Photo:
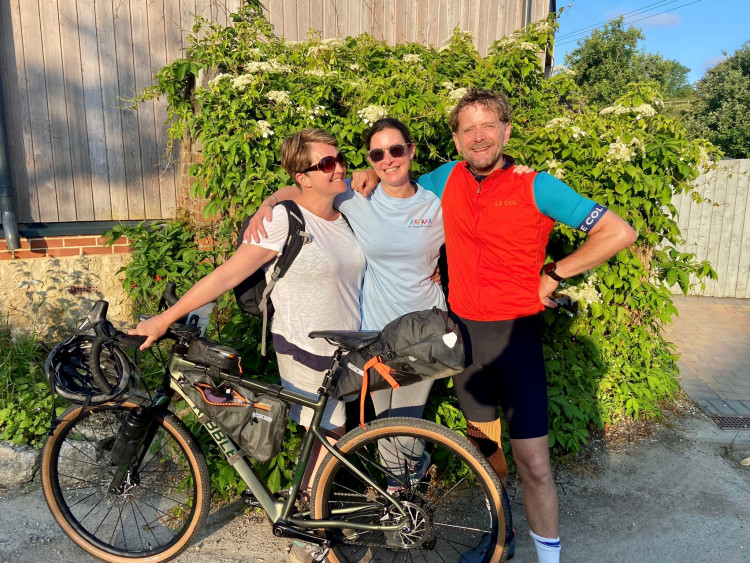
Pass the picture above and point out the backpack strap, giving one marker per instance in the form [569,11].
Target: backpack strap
[295,240]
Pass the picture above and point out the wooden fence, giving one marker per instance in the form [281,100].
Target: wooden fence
[80,152]
[719,230]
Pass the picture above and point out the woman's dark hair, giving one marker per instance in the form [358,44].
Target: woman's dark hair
[387,123]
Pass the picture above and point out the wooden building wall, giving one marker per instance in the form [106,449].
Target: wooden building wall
[80,152]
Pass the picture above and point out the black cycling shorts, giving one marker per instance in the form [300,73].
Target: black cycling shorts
[505,370]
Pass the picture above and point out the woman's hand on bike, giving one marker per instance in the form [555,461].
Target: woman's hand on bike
[153,329]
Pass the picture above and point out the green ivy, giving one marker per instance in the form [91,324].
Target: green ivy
[25,400]
[240,90]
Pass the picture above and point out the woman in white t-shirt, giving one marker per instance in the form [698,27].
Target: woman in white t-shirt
[320,290]
[400,229]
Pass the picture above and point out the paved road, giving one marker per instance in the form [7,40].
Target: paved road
[712,336]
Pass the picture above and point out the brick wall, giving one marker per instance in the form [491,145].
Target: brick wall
[58,247]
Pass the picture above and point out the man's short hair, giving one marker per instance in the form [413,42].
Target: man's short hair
[295,150]
[491,100]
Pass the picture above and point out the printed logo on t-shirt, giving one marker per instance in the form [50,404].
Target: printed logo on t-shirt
[420,222]
[592,218]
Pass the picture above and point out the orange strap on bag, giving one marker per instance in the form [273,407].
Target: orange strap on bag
[377,363]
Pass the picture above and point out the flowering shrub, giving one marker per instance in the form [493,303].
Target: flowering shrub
[241,90]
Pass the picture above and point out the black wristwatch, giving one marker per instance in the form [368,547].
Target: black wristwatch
[549,269]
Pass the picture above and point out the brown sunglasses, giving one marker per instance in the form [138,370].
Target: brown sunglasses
[396,151]
[327,164]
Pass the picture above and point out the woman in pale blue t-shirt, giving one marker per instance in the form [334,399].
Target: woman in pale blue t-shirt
[400,230]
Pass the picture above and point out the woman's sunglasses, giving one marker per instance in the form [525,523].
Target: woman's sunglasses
[327,164]
[396,151]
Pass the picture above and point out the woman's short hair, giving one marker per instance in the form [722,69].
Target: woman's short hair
[387,123]
[295,149]
[491,100]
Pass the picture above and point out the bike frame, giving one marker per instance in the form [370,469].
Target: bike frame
[279,511]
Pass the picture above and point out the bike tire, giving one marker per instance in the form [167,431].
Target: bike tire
[161,507]
[458,504]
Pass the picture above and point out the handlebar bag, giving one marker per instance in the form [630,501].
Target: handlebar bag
[412,348]
[256,422]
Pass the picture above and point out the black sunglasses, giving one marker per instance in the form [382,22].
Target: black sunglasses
[327,164]
[396,151]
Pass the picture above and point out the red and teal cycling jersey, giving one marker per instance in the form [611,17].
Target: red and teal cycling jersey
[496,234]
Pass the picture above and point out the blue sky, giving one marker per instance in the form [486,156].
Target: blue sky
[692,32]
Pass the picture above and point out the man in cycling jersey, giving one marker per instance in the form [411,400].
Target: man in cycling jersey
[497,225]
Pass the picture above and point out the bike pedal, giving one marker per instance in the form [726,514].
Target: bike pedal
[250,499]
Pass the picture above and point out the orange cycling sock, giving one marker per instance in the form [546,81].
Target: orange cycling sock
[487,437]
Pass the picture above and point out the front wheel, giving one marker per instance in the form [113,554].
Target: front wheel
[160,506]
[456,506]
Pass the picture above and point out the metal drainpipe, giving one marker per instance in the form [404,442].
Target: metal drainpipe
[7,211]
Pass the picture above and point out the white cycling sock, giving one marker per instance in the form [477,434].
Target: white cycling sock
[547,549]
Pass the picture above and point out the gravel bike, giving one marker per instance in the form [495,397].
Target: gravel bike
[127,480]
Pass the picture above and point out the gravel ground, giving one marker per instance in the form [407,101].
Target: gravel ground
[646,493]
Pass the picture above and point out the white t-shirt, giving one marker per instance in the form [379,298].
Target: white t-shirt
[401,238]
[321,290]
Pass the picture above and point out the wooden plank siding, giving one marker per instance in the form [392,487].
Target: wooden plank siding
[70,69]
[720,231]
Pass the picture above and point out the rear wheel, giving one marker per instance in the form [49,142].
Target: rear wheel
[161,505]
[457,508]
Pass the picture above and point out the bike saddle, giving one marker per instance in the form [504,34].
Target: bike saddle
[349,339]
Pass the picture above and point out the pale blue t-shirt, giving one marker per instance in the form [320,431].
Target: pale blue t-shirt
[401,239]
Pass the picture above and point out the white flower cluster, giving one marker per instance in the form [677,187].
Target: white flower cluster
[242,81]
[558,70]
[412,58]
[264,128]
[372,113]
[623,152]
[558,122]
[280,97]
[320,73]
[527,46]
[454,96]
[543,27]
[356,67]
[334,42]
[578,133]
[457,94]
[507,41]
[311,112]
[447,85]
[704,161]
[585,293]
[254,52]
[219,77]
[256,67]
[555,168]
[643,110]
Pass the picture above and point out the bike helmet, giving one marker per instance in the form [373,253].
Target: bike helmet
[69,373]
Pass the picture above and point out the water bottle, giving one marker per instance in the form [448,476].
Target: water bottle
[199,317]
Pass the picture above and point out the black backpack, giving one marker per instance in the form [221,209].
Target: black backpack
[252,294]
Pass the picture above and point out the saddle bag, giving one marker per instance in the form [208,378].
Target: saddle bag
[256,422]
[412,348]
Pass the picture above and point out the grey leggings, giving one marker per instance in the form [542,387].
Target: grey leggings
[403,401]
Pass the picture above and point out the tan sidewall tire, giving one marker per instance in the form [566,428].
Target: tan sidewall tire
[173,551]
[429,431]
